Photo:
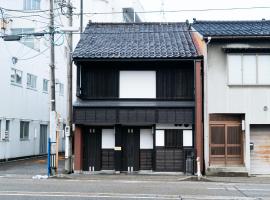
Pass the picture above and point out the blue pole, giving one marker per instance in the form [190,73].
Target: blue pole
[49,157]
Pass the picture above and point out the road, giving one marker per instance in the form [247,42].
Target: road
[109,189]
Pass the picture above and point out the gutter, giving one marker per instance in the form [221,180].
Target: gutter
[136,59]
[235,37]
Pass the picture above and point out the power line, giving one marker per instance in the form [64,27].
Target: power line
[183,10]
[27,11]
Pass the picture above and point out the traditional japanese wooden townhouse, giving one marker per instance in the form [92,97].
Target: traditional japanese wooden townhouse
[236,95]
[139,98]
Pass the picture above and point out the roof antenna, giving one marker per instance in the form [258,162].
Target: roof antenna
[188,24]
[162,11]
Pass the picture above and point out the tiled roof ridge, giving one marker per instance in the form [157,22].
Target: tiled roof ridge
[229,21]
[135,23]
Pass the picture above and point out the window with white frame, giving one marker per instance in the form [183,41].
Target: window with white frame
[248,69]
[16,76]
[61,88]
[31,4]
[26,39]
[24,130]
[45,85]
[31,81]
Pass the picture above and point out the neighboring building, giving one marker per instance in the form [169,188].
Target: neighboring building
[139,104]
[236,95]
[24,81]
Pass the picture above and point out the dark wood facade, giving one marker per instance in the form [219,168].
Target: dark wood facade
[99,81]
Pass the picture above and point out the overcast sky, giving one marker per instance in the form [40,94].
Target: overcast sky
[254,14]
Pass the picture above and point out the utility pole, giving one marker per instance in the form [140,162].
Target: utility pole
[53,107]
[68,141]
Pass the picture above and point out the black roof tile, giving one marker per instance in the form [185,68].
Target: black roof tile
[232,28]
[135,40]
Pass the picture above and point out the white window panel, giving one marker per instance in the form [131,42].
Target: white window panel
[234,69]
[187,138]
[264,69]
[160,138]
[249,69]
[137,84]
[108,139]
[31,81]
[45,85]
[16,76]
[146,139]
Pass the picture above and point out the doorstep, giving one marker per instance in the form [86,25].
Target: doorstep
[227,171]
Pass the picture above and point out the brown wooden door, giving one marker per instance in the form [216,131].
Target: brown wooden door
[226,144]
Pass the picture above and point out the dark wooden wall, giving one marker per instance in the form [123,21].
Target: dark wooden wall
[100,80]
[103,116]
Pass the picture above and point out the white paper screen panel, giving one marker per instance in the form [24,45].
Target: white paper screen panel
[137,84]
[234,69]
[187,138]
[160,138]
[264,69]
[249,69]
[146,139]
[108,139]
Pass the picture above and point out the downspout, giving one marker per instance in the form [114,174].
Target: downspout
[206,115]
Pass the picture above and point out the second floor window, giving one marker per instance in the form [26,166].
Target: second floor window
[31,4]
[31,81]
[137,84]
[248,69]
[16,76]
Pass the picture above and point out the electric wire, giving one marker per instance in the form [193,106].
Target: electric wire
[182,10]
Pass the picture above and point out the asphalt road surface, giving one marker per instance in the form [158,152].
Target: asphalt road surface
[60,189]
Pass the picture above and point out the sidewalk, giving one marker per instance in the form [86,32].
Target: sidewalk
[252,179]
[28,168]
[167,178]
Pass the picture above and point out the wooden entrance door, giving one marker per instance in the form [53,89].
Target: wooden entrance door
[92,149]
[226,144]
[131,148]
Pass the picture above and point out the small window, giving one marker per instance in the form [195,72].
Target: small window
[7,130]
[45,85]
[173,138]
[31,4]
[24,130]
[61,88]
[31,81]
[16,76]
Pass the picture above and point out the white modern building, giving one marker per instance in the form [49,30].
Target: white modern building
[25,72]
[25,80]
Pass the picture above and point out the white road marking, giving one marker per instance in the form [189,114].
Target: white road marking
[235,189]
[119,195]
[90,195]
